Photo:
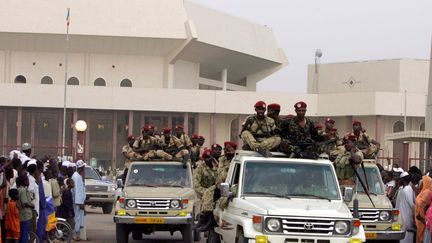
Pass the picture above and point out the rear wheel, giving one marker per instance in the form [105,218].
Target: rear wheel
[187,233]
[107,208]
[122,234]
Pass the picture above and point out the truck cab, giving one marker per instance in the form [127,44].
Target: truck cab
[282,199]
[380,220]
[156,196]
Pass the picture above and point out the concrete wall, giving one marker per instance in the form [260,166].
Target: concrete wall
[414,75]
[186,75]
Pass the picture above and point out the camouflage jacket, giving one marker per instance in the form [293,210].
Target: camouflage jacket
[223,167]
[260,129]
[182,142]
[344,170]
[146,144]
[291,130]
[204,177]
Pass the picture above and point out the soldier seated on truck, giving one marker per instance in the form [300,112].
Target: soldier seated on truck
[347,162]
[366,144]
[180,143]
[128,151]
[259,132]
[146,145]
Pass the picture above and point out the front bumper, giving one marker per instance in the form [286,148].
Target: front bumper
[167,220]
[100,198]
[286,238]
[385,235]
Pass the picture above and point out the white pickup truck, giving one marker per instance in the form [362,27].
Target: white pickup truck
[285,200]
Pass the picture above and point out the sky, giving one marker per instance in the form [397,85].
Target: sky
[345,30]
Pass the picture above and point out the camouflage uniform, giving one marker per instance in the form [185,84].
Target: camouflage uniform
[344,170]
[223,167]
[182,144]
[204,185]
[333,145]
[260,134]
[292,134]
[364,143]
[130,154]
[149,152]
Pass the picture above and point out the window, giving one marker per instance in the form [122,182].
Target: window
[73,81]
[46,80]
[398,127]
[20,79]
[99,82]
[126,83]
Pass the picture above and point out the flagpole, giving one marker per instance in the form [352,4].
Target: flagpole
[65,85]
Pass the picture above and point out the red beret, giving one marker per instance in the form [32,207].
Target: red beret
[166,130]
[215,145]
[130,137]
[289,116]
[274,106]
[329,120]
[351,136]
[300,104]
[334,129]
[206,153]
[179,126]
[355,122]
[201,137]
[232,144]
[261,104]
[318,126]
[146,128]
[194,136]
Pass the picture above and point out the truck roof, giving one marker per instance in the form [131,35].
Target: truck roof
[276,157]
[163,162]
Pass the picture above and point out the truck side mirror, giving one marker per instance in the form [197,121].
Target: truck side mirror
[225,190]
[119,183]
[348,194]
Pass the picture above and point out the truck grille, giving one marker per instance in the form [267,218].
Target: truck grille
[368,215]
[153,203]
[308,226]
[96,188]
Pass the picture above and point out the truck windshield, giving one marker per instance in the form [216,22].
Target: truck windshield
[91,173]
[158,175]
[290,180]
[373,180]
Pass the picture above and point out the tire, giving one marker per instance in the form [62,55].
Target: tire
[107,208]
[241,238]
[61,233]
[213,237]
[187,233]
[122,234]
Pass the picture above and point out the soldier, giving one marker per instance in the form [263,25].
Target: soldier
[128,152]
[182,142]
[204,184]
[146,145]
[201,141]
[195,150]
[347,161]
[273,111]
[329,125]
[366,144]
[216,151]
[258,132]
[299,134]
[225,160]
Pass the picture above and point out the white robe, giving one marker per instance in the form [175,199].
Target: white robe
[405,202]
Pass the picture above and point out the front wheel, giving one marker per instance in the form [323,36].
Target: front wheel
[122,235]
[241,238]
[107,208]
[187,233]
[61,233]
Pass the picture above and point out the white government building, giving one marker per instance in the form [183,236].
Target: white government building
[168,62]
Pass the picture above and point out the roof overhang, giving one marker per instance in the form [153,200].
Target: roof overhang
[409,136]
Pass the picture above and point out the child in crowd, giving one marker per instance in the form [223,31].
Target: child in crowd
[12,218]
[66,210]
[25,207]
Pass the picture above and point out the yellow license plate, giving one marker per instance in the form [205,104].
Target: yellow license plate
[142,220]
[371,235]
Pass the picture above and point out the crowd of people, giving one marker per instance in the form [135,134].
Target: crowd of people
[34,192]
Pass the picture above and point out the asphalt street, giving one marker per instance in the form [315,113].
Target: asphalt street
[101,228]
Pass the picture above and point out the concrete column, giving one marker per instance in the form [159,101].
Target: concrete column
[224,79]
[170,76]
[19,126]
[186,123]
[114,142]
[348,124]
[405,156]
[87,137]
[212,128]
[142,120]
[5,133]
[32,128]
[130,123]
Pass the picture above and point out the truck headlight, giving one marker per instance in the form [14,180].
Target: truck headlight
[341,227]
[273,224]
[175,204]
[131,203]
[384,216]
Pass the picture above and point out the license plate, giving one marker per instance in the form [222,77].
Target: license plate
[371,235]
[142,220]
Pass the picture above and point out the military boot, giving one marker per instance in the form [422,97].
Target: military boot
[264,152]
[202,219]
[209,224]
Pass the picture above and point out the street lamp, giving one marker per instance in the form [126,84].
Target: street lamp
[318,55]
[81,127]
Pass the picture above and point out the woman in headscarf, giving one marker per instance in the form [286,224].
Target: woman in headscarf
[422,204]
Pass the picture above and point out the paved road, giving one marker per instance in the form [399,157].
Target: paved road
[101,228]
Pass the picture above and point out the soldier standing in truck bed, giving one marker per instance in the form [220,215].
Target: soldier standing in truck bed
[259,132]
[364,142]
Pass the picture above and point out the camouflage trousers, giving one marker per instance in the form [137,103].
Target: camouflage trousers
[208,199]
[266,143]
[157,154]
[181,153]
